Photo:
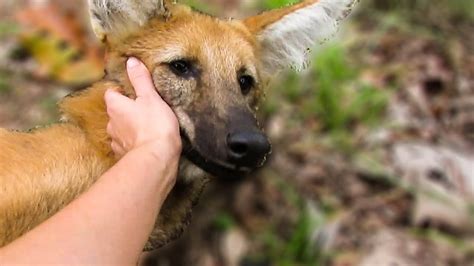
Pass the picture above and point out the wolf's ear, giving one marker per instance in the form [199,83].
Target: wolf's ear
[287,34]
[116,18]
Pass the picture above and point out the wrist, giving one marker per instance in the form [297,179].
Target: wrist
[160,150]
[161,163]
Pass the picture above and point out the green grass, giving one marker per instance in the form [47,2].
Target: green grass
[340,99]
[4,84]
[272,4]
[49,103]
[332,94]
[420,8]
[224,221]
[202,7]
[7,28]
[293,245]
[298,248]
[471,211]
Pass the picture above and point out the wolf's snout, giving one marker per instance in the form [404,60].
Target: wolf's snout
[247,148]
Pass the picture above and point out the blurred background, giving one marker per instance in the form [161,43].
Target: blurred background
[373,144]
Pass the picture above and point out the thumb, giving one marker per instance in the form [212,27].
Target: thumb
[140,78]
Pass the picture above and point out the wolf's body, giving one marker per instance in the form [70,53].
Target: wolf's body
[226,62]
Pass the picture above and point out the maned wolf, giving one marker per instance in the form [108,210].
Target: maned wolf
[210,71]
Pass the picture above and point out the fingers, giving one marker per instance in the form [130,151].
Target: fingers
[140,78]
[115,101]
[116,106]
[117,148]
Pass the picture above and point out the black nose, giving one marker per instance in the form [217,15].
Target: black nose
[247,148]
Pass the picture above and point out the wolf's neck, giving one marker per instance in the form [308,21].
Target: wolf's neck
[87,110]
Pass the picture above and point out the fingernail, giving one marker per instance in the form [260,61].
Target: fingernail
[132,62]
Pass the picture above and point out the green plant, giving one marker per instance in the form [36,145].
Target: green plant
[331,93]
[48,105]
[203,7]
[224,221]
[300,249]
[296,246]
[331,74]
[7,28]
[293,89]
[339,100]
[271,4]
[4,83]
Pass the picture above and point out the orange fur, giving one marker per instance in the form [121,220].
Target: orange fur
[43,170]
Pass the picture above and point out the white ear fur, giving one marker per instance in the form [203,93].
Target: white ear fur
[287,41]
[117,16]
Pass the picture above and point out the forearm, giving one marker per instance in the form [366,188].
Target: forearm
[106,225]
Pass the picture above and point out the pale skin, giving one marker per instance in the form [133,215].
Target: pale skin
[111,222]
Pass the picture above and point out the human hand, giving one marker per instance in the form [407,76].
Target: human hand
[144,123]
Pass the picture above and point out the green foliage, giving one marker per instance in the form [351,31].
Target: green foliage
[224,221]
[298,249]
[461,8]
[339,99]
[7,29]
[4,83]
[50,52]
[201,6]
[297,246]
[471,211]
[331,74]
[368,105]
[293,87]
[272,4]
[332,95]
[49,105]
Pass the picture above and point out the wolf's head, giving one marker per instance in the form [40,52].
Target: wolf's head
[212,71]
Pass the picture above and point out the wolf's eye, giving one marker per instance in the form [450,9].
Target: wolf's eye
[180,67]
[246,83]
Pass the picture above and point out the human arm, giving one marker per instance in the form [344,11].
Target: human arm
[110,223]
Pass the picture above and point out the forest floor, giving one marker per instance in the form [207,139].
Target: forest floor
[373,144]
